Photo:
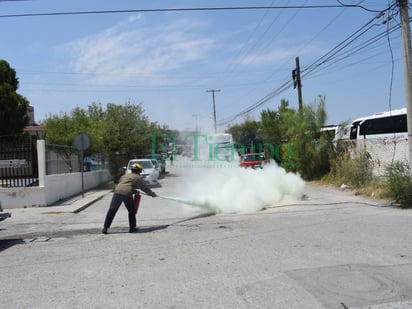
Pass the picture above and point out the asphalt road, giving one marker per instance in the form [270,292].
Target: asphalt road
[331,249]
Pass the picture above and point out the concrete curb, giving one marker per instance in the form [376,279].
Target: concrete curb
[77,203]
[87,201]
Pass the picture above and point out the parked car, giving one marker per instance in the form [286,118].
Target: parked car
[149,173]
[253,160]
[160,158]
[156,164]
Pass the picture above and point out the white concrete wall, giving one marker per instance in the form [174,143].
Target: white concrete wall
[59,187]
[52,188]
[56,187]
[22,197]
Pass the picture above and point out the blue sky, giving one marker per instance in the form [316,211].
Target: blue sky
[168,60]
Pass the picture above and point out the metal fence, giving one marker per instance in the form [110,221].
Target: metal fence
[18,161]
[62,159]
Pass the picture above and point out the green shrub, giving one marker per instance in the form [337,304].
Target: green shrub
[399,183]
[356,172]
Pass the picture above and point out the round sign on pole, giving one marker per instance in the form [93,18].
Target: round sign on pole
[82,142]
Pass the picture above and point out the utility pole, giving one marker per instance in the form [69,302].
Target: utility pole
[214,105]
[196,122]
[297,82]
[406,38]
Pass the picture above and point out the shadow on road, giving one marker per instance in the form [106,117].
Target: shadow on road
[150,229]
[7,243]
[194,218]
[45,236]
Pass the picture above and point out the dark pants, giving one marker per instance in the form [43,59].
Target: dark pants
[117,200]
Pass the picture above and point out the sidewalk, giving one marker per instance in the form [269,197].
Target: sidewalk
[31,222]
[77,203]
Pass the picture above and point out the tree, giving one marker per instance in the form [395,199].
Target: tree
[97,127]
[273,127]
[273,131]
[127,129]
[13,106]
[270,127]
[247,136]
[291,137]
[60,133]
[127,135]
[309,148]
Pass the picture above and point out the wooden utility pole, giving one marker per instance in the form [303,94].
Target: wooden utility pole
[297,82]
[406,38]
[214,105]
[196,121]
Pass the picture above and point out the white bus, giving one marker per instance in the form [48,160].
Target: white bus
[384,136]
[381,125]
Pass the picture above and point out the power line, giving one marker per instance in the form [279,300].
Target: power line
[358,33]
[302,48]
[159,10]
[261,36]
[248,39]
[335,57]
[363,46]
[314,66]
[283,87]
[388,32]
[272,94]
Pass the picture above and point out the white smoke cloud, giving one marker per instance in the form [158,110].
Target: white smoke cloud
[224,187]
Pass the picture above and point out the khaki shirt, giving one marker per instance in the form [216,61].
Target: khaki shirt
[129,183]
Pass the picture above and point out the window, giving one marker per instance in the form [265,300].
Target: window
[384,125]
[354,130]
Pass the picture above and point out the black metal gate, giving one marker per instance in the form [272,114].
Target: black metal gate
[18,162]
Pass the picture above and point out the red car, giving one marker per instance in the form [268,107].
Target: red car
[253,160]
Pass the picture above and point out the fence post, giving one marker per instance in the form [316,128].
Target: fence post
[41,161]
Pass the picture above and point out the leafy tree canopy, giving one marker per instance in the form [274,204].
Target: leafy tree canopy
[294,134]
[8,75]
[13,106]
[246,136]
[117,132]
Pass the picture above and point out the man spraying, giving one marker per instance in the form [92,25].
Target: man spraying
[123,193]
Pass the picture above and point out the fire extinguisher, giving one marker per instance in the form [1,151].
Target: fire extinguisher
[136,202]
